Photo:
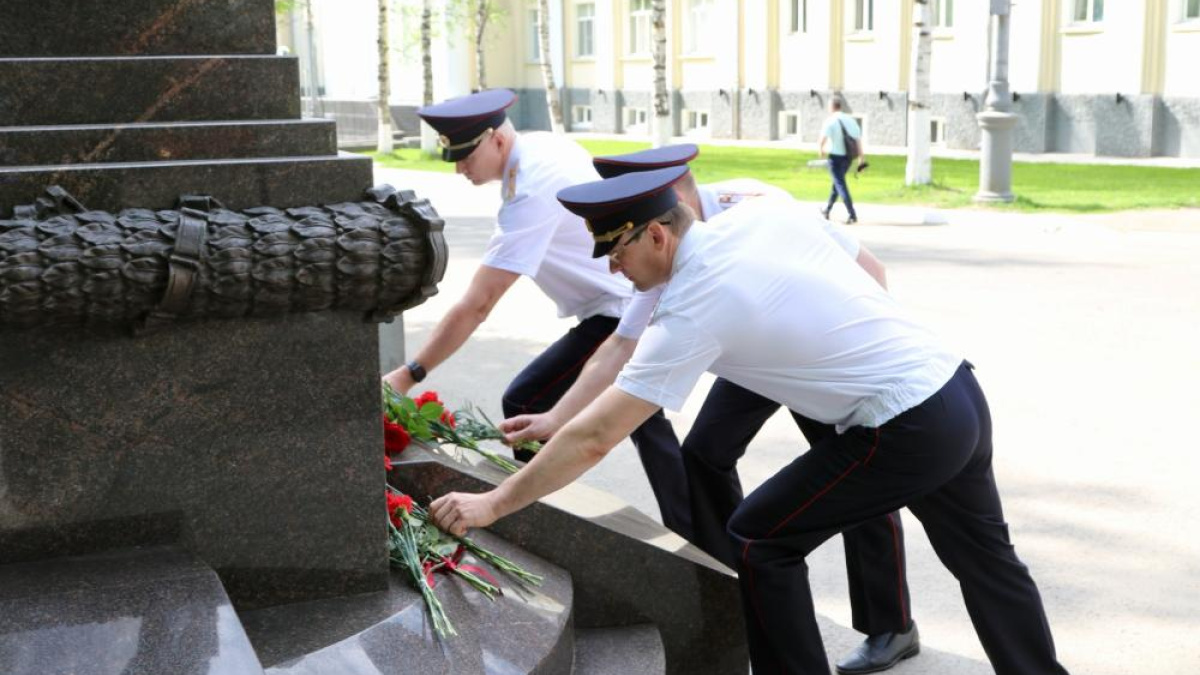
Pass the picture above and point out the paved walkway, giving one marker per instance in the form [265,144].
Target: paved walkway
[1085,332]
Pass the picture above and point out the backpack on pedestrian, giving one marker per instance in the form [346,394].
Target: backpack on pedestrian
[853,149]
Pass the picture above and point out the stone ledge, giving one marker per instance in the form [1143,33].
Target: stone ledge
[238,184]
[151,142]
[117,90]
[74,28]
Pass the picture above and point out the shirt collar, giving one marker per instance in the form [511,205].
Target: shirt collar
[687,248]
[508,187]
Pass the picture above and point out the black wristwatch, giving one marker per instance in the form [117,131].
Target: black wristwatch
[416,370]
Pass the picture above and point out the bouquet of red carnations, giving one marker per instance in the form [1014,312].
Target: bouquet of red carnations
[418,546]
[426,418]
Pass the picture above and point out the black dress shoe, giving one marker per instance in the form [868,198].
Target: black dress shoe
[880,652]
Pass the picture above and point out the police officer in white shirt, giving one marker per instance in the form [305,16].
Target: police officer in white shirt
[781,311]
[536,237]
[730,418]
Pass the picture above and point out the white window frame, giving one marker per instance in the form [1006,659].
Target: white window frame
[786,116]
[937,132]
[864,16]
[635,119]
[638,29]
[1088,8]
[943,14]
[799,17]
[1189,10]
[697,34]
[581,117]
[534,50]
[585,25]
[695,122]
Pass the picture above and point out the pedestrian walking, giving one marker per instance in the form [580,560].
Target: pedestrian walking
[842,136]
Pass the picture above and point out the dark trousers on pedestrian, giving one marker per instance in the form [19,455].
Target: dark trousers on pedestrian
[544,381]
[729,419]
[839,166]
[935,458]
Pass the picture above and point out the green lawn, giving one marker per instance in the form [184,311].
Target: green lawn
[1039,187]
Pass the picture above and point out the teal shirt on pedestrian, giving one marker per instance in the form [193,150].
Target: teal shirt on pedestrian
[833,131]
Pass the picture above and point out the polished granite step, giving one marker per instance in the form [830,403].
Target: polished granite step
[142,611]
[74,28]
[165,141]
[528,630]
[115,90]
[282,182]
[629,650]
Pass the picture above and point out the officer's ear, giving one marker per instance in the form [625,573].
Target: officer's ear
[657,231]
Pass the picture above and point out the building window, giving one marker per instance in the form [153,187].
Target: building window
[799,16]
[581,116]
[789,124]
[937,131]
[635,119]
[864,16]
[585,17]
[1087,11]
[639,26]
[694,122]
[535,41]
[698,37]
[1191,10]
[943,13]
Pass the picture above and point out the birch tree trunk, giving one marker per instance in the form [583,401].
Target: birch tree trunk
[556,120]
[662,105]
[428,137]
[482,13]
[318,108]
[919,168]
[385,81]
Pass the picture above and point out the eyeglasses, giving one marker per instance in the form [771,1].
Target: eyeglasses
[615,253]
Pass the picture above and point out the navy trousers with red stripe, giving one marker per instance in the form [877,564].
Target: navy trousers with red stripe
[544,381]
[729,419]
[936,459]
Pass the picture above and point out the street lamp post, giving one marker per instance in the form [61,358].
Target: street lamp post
[997,120]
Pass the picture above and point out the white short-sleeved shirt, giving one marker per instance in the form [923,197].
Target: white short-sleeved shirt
[715,200]
[539,238]
[785,313]
[832,129]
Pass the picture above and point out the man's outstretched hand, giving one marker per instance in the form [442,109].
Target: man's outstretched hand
[458,512]
[537,427]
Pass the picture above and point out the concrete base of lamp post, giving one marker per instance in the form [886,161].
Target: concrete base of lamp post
[995,159]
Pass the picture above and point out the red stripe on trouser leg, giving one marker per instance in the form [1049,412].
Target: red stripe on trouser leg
[899,569]
[746,550]
[873,448]
[578,365]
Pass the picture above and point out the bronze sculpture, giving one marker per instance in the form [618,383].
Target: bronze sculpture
[63,265]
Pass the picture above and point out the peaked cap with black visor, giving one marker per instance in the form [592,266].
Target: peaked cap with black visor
[611,166]
[463,123]
[614,206]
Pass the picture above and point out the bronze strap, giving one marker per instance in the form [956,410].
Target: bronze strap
[184,266]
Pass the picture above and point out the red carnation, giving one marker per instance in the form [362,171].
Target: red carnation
[395,437]
[396,502]
[427,397]
[447,418]
[387,462]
